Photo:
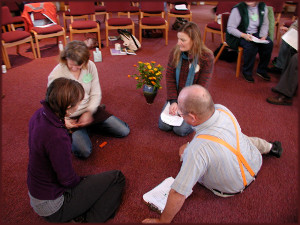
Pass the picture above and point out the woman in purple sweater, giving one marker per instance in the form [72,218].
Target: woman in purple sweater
[56,192]
[190,62]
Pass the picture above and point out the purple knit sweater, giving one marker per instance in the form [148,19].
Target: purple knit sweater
[50,170]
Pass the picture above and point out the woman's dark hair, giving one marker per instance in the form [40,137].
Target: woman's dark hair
[62,93]
[76,51]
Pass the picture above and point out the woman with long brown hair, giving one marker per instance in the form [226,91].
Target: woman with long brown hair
[190,62]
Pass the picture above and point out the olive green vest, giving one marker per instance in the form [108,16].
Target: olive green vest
[233,41]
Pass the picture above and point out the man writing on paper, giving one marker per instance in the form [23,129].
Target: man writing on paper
[220,156]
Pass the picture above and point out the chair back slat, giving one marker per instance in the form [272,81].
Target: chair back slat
[155,6]
[81,8]
[224,6]
[117,6]
[6,16]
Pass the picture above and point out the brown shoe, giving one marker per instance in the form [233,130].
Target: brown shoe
[280,100]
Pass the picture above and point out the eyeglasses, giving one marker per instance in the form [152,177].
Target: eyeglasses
[181,114]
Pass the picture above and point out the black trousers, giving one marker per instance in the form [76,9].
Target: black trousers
[288,82]
[96,199]
[250,50]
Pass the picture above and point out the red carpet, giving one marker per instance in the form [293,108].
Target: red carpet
[147,156]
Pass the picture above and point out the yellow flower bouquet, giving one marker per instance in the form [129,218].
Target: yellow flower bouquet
[149,74]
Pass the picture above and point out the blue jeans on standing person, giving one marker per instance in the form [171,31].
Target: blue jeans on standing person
[250,50]
[182,130]
[81,142]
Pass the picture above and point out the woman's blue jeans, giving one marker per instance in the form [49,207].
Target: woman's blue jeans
[81,142]
[182,130]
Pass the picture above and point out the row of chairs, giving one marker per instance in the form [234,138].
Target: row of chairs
[151,16]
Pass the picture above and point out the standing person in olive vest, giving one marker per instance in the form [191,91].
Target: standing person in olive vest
[248,21]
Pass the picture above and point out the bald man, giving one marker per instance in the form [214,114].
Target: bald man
[220,156]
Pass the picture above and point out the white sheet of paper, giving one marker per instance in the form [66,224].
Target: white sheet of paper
[291,37]
[169,119]
[255,39]
[158,196]
[181,7]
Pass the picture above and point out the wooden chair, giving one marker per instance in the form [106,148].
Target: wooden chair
[215,27]
[13,37]
[17,19]
[173,12]
[78,10]
[153,17]
[41,32]
[117,22]
[224,20]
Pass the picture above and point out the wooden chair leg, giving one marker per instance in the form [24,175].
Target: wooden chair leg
[37,46]
[239,61]
[65,39]
[166,32]
[71,35]
[204,36]
[140,35]
[212,37]
[278,36]
[18,49]
[219,53]
[5,58]
[99,39]
[106,34]
[33,48]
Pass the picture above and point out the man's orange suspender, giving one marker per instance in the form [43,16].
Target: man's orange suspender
[236,151]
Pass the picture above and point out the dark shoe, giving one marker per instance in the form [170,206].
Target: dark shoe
[274,90]
[274,69]
[103,106]
[248,78]
[280,100]
[276,149]
[264,76]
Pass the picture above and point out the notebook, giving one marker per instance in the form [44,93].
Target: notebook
[156,198]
